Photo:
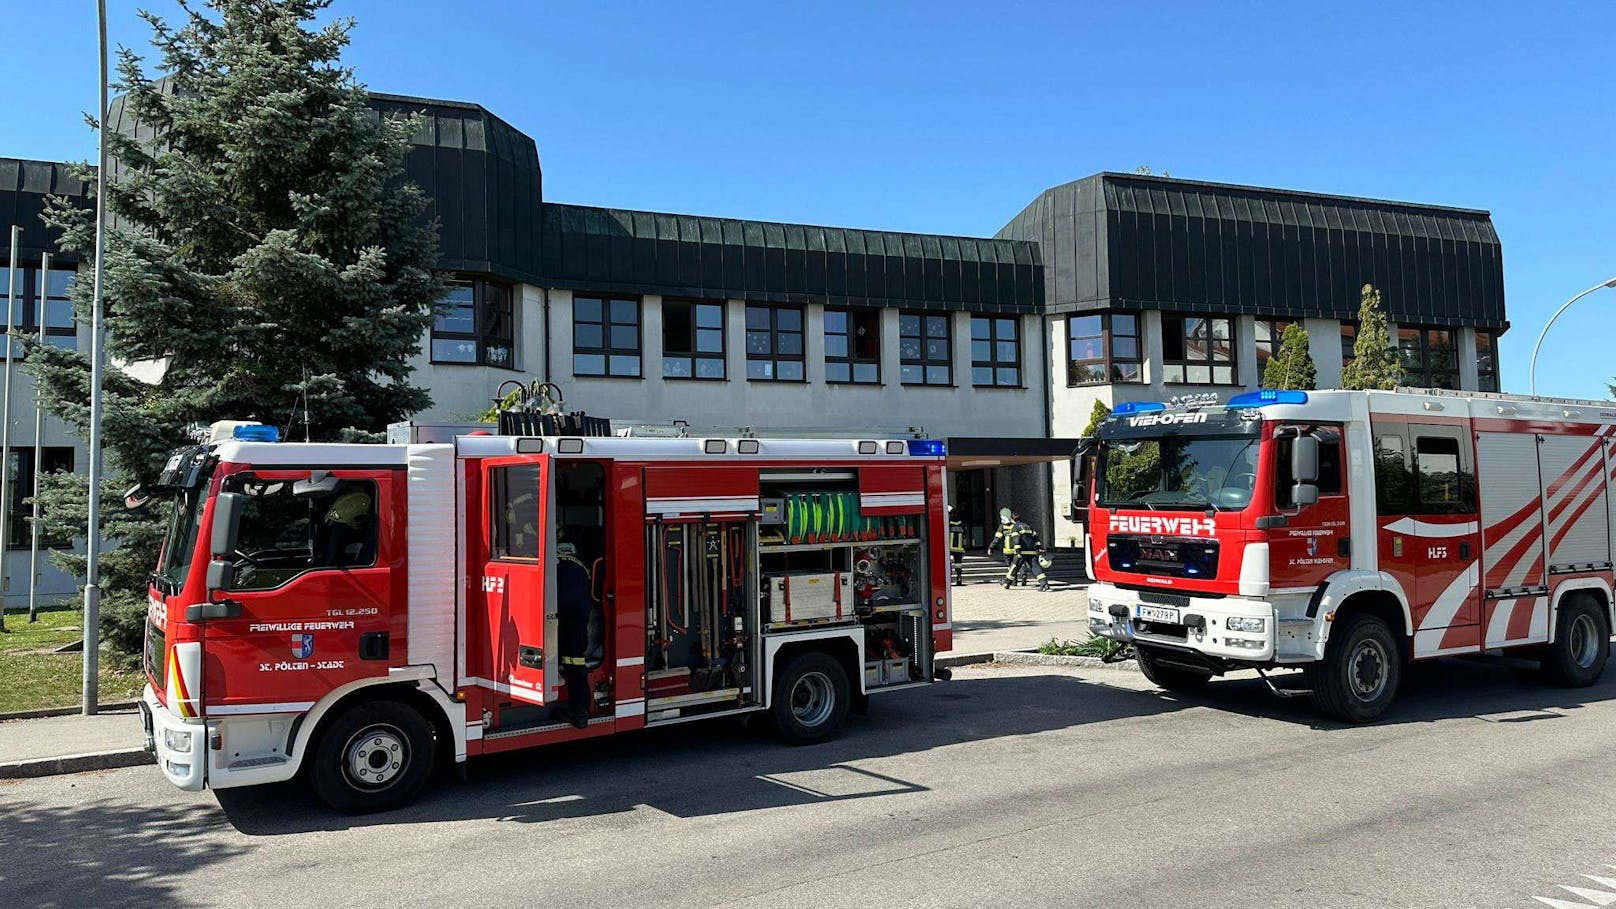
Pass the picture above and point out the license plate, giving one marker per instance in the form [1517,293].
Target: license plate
[1157,614]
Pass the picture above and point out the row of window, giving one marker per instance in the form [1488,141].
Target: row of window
[607,341]
[21,470]
[1103,348]
[31,300]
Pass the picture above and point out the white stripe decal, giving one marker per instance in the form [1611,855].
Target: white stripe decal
[1498,625]
[632,661]
[699,504]
[1428,639]
[474,732]
[1414,527]
[630,710]
[242,709]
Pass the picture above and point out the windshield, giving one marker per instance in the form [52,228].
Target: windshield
[1179,471]
[179,544]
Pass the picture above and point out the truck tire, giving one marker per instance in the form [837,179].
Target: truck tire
[1581,644]
[1171,678]
[374,756]
[1362,669]
[811,698]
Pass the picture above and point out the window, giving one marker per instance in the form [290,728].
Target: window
[1486,361]
[605,337]
[1103,348]
[290,527]
[515,513]
[774,343]
[1329,481]
[475,325]
[853,346]
[1392,477]
[924,355]
[1270,333]
[60,329]
[1428,357]
[20,475]
[1349,342]
[1443,486]
[1197,350]
[692,340]
[1434,478]
[995,352]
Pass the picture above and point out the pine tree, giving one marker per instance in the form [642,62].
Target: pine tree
[1291,367]
[1374,364]
[1096,417]
[266,246]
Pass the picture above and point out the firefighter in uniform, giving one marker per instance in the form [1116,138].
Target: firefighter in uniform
[956,546]
[1014,534]
[575,609]
[1034,558]
[1005,536]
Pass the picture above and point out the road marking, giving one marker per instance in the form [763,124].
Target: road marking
[1593,898]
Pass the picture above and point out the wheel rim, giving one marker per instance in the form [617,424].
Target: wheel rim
[1584,641]
[813,698]
[1367,670]
[375,757]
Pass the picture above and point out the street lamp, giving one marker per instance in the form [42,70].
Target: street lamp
[89,686]
[1538,346]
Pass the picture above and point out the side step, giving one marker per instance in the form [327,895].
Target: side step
[1283,692]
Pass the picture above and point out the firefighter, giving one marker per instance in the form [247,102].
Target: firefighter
[1005,536]
[575,609]
[956,546]
[1035,558]
[1015,549]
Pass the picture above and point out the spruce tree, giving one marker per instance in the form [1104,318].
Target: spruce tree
[1096,417]
[265,246]
[1291,367]
[1374,364]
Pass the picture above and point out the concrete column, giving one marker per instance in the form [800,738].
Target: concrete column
[1245,352]
[891,354]
[1465,342]
[1324,345]
[651,336]
[813,344]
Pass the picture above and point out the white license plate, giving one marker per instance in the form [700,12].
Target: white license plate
[1156,614]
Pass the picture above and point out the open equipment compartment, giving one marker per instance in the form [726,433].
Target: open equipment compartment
[824,561]
[702,645]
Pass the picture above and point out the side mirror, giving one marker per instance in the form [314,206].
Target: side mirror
[136,498]
[1305,460]
[1082,473]
[227,509]
[1304,494]
[221,574]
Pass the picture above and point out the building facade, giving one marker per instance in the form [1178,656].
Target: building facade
[1111,288]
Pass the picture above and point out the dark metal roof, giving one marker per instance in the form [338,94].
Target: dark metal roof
[23,188]
[617,251]
[1139,242]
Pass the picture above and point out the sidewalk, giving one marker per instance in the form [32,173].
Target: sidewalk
[987,618]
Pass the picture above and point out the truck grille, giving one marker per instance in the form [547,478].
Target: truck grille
[156,660]
[1171,557]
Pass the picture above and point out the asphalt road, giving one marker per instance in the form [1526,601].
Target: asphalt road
[1022,786]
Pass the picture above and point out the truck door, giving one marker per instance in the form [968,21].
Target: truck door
[1314,542]
[1430,530]
[521,611]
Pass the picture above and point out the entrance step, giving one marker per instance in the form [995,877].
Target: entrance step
[1067,571]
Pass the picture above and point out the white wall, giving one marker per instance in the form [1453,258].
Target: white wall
[462,391]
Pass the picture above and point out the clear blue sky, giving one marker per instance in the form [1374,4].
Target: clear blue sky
[949,117]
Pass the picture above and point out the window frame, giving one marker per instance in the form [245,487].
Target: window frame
[1489,376]
[19,536]
[607,351]
[774,333]
[924,362]
[1109,362]
[1209,362]
[993,364]
[234,482]
[31,309]
[499,487]
[1410,500]
[1331,452]
[1348,333]
[1426,372]
[485,335]
[1276,338]
[852,362]
[693,355]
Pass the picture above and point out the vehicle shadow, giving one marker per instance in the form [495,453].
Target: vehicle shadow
[103,853]
[1489,689]
[718,767]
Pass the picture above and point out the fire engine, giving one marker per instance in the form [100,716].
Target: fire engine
[1347,533]
[360,613]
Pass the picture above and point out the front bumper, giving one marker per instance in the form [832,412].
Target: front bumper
[180,745]
[1202,624]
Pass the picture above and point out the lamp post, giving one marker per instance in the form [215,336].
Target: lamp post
[1539,345]
[90,691]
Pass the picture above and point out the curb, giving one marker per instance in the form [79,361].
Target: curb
[1042,659]
[74,763]
[962,659]
[42,713]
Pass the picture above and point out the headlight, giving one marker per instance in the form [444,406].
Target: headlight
[1240,623]
[177,739]
[1240,644]
[1096,607]
[179,769]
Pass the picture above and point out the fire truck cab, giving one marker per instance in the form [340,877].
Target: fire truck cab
[1346,533]
[363,612]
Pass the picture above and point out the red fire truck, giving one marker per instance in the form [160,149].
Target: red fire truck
[360,613]
[1347,532]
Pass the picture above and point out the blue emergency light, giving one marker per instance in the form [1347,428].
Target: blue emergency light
[1261,398]
[256,433]
[1130,408]
[928,448]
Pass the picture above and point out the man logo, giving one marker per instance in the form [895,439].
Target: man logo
[302,646]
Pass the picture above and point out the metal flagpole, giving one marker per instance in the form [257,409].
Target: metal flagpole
[39,432]
[90,695]
[5,418]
